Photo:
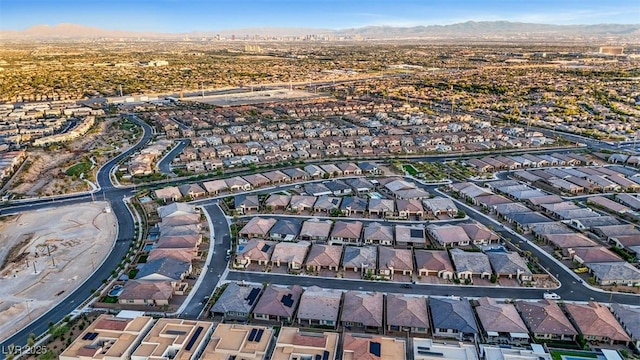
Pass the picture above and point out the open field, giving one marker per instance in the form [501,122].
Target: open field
[77,238]
[254,97]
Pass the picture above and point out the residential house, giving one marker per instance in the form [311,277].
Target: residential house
[193,191]
[176,210]
[479,234]
[410,236]
[448,235]
[293,342]
[402,189]
[171,193]
[410,209]
[331,170]
[614,273]
[237,183]
[470,264]
[407,314]
[630,200]
[296,174]
[245,204]
[277,202]
[453,318]
[596,323]
[378,234]
[323,257]
[338,187]
[501,322]
[565,243]
[353,206]
[115,338]
[546,321]
[510,265]
[314,171]
[255,251]
[593,254]
[344,232]
[236,302]
[370,168]
[316,230]
[291,254]
[327,204]
[362,311]
[150,293]
[360,347]
[257,227]
[278,303]
[319,307]
[394,261]
[169,269]
[381,208]
[439,206]
[215,187]
[360,259]
[628,316]
[360,185]
[285,230]
[277,177]
[299,203]
[238,341]
[349,169]
[434,263]
[257,180]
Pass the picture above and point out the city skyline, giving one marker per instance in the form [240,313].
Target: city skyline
[173,16]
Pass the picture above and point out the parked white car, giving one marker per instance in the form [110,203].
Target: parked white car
[551,296]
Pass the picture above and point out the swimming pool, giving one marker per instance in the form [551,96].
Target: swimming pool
[375,195]
[117,290]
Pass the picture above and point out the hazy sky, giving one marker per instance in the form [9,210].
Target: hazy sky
[189,15]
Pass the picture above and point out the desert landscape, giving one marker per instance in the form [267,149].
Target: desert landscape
[42,262]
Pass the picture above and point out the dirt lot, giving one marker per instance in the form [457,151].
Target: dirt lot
[78,238]
[44,171]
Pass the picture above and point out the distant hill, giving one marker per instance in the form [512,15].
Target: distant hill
[459,30]
[493,28]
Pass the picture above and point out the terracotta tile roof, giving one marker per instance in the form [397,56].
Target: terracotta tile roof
[594,319]
[545,317]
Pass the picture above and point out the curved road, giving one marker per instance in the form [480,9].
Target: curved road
[164,165]
[126,230]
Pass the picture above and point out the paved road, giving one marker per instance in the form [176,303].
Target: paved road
[218,264]
[385,286]
[125,234]
[571,288]
[164,165]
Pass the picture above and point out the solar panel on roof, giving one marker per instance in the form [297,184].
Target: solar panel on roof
[193,339]
[93,336]
[374,348]
[252,296]
[318,357]
[265,248]
[259,335]
[416,233]
[287,300]
[86,336]
[252,334]
[325,355]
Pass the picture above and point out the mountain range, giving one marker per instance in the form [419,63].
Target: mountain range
[459,30]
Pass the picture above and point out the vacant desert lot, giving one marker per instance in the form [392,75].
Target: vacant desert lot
[77,237]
